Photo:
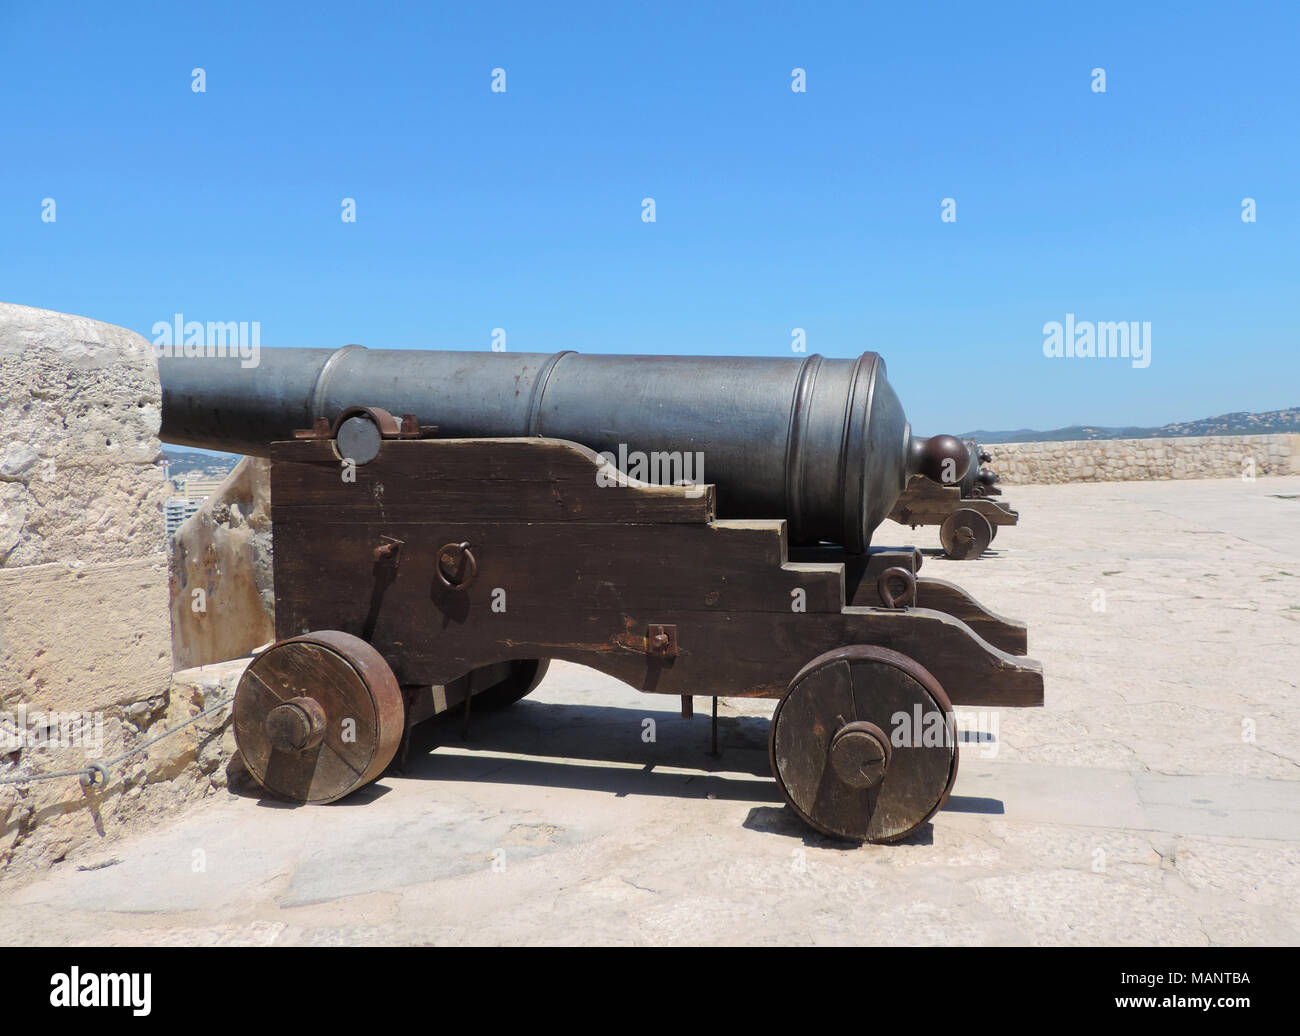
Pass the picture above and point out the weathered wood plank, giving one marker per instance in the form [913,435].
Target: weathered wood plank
[549,565]
[540,480]
[1007,634]
[741,654]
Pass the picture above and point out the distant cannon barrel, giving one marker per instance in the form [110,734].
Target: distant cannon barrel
[820,442]
[978,480]
[974,474]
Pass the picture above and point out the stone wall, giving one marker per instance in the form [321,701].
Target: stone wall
[222,598]
[1129,460]
[85,637]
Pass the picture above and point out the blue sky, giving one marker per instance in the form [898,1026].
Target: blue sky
[774,209]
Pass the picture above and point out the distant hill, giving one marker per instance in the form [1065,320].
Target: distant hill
[198,462]
[1240,423]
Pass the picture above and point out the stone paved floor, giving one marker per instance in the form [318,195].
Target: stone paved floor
[1156,798]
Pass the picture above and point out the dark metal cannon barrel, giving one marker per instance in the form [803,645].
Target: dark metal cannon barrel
[820,442]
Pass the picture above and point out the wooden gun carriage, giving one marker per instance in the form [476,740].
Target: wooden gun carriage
[451,561]
[967,517]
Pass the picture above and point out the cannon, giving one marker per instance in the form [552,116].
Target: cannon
[445,523]
[968,519]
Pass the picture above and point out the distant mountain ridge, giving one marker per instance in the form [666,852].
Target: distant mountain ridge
[185,461]
[1239,423]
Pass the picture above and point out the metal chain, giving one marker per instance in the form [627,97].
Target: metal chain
[98,772]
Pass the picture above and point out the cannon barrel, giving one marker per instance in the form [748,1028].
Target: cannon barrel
[971,477]
[820,442]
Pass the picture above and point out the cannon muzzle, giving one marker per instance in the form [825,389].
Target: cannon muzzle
[820,442]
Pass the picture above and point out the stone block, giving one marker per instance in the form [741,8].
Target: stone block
[79,454]
[222,600]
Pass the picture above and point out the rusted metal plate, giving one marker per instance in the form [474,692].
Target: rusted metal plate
[661,640]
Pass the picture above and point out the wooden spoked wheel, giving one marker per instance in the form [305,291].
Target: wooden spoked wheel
[863,744]
[965,534]
[318,716]
[993,532]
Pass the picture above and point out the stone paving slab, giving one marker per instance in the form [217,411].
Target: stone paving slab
[1155,799]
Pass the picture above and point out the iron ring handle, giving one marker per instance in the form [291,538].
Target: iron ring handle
[471,565]
[903,600]
[95,775]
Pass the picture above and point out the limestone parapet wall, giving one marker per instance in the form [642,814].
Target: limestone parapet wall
[1133,460]
[78,452]
[85,634]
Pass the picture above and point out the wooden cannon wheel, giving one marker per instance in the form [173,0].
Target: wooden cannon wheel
[863,744]
[318,716]
[965,534]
